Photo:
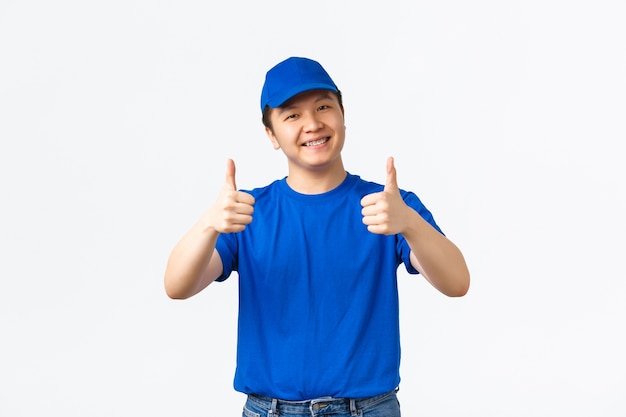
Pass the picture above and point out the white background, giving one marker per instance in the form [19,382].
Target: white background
[506,118]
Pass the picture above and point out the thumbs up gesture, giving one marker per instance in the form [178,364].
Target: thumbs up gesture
[232,211]
[385,212]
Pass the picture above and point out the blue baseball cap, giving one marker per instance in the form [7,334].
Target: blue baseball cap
[293,76]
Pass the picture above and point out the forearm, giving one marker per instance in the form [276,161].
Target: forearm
[192,265]
[437,258]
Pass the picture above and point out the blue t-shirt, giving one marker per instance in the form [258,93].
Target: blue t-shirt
[318,297]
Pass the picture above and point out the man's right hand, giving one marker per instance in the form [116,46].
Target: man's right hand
[232,211]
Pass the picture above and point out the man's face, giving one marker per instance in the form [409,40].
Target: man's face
[310,129]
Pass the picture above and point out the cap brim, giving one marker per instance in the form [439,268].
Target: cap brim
[278,100]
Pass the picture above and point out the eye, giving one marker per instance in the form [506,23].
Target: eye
[291,116]
[323,107]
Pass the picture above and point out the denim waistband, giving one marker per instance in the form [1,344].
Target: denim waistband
[306,406]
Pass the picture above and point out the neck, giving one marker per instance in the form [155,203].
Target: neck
[306,181]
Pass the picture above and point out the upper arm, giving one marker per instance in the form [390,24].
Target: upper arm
[213,270]
[415,263]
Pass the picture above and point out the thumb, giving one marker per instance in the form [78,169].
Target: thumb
[391,184]
[230,174]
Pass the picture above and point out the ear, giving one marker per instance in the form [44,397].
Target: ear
[272,138]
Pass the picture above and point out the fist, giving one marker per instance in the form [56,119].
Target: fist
[384,212]
[232,211]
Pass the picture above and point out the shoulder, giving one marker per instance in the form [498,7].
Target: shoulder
[266,190]
[365,187]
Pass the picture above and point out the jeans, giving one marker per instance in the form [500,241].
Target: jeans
[385,405]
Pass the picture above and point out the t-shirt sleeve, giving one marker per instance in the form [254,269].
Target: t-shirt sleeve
[226,246]
[413,201]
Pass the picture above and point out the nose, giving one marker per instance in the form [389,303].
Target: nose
[312,122]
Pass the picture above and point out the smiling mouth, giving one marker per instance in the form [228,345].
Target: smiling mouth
[317,142]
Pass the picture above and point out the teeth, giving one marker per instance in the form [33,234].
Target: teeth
[316,142]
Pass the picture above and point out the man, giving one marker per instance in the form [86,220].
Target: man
[317,254]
